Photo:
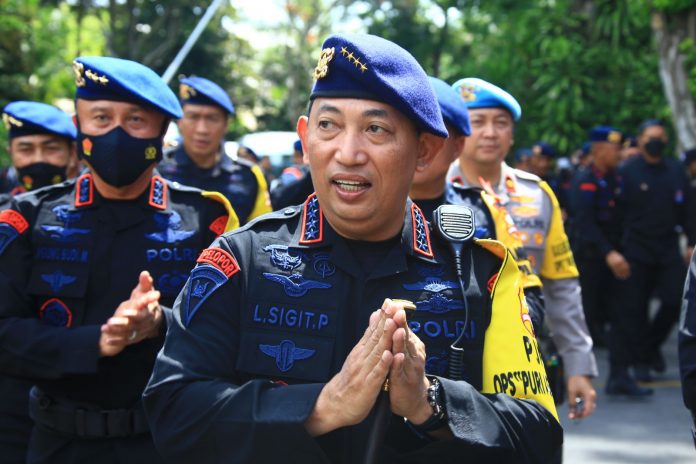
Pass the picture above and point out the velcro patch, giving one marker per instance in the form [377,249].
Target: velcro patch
[218,225]
[14,219]
[220,259]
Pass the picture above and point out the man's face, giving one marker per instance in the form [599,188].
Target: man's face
[435,173]
[650,133]
[540,165]
[41,148]
[362,155]
[202,129]
[491,136]
[97,117]
[606,153]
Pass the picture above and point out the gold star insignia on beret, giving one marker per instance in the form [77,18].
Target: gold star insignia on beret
[96,77]
[466,91]
[186,91]
[614,137]
[351,58]
[322,68]
[10,121]
[78,69]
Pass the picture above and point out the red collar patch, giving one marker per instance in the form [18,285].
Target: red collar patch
[84,190]
[312,222]
[220,259]
[421,233]
[158,193]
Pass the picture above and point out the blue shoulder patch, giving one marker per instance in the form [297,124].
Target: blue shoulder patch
[204,280]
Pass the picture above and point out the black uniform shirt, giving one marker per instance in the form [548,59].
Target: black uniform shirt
[68,258]
[270,315]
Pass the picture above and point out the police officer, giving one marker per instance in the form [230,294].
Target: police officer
[200,160]
[538,221]
[41,146]
[295,183]
[654,204]
[71,319]
[522,157]
[278,350]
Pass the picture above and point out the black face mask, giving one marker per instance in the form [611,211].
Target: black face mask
[117,157]
[39,175]
[655,147]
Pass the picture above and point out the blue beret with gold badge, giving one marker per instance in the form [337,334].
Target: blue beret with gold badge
[454,111]
[544,149]
[369,67]
[30,118]
[106,78]
[201,91]
[478,93]
[605,134]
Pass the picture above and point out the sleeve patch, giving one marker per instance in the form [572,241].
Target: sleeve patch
[14,219]
[219,224]
[588,187]
[220,259]
[204,281]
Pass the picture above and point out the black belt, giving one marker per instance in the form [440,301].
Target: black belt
[82,421]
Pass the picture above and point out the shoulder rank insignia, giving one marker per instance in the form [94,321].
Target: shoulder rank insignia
[286,353]
[295,286]
[312,221]
[84,190]
[12,225]
[421,234]
[158,193]
[55,312]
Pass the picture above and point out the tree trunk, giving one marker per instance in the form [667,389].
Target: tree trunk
[670,31]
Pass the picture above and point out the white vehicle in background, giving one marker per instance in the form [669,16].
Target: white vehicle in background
[276,145]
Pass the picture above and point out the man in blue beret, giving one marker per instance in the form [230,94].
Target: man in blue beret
[71,320]
[521,157]
[200,159]
[42,150]
[282,354]
[41,145]
[656,208]
[538,221]
[542,158]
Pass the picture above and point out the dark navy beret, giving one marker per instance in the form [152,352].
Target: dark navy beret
[201,91]
[605,134]
[544,149]
[29,118]
[478,93]
[370,67]
[454,110]
[106,78]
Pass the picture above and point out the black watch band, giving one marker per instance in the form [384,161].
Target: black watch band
[439,417]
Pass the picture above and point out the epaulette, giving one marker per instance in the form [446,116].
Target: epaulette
[282,214]
[524,175]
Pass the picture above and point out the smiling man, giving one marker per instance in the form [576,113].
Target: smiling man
[278,351]
[71,320]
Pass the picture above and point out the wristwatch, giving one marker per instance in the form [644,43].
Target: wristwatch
[439,416]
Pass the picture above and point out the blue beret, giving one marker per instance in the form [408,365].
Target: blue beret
[585,148]
[201,91]
[453,108]
[297,146]
[605,134]
[545,149]
[370,67]
[105,78]
[523,153]
[29,118]
[478,93]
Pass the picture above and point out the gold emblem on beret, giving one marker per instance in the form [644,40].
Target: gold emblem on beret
[614,137]
[467,92]
[353,59]
[322,68]
[92,76]
[186,91]
[10,121]
[78,69]
[536,149]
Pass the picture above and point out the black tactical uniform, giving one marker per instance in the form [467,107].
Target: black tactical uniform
[68,258]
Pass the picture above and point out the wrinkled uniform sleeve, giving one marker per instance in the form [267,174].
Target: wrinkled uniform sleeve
[28,347]
[199,409]
[687,339]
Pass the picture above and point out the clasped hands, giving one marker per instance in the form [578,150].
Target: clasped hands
[387,350]
[134,320]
